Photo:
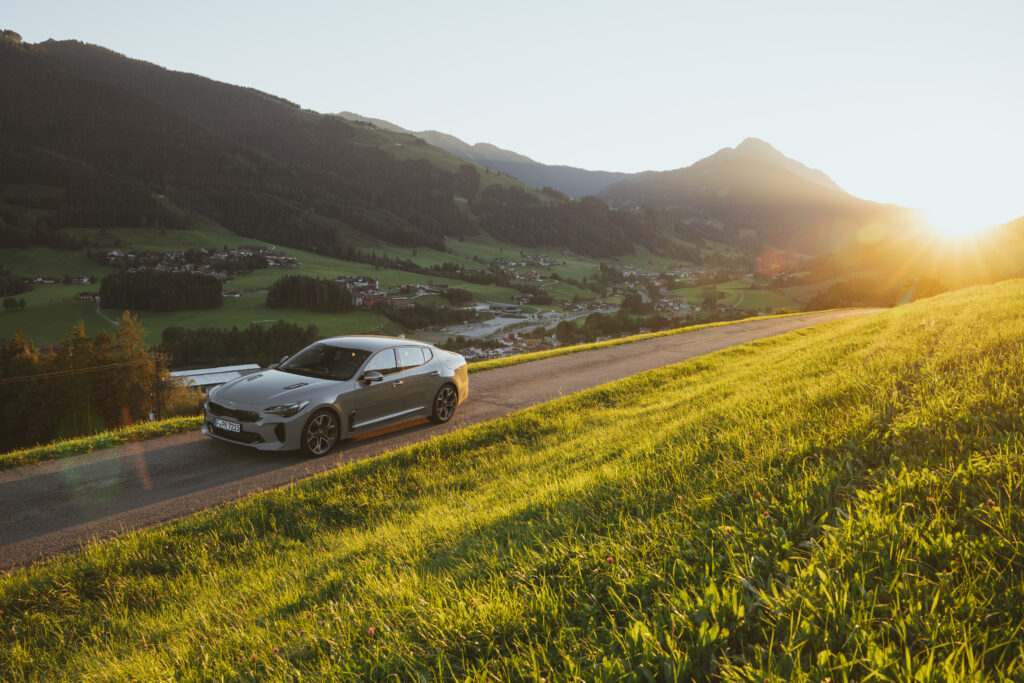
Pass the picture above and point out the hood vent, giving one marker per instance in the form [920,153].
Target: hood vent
[252,377]
[295,386]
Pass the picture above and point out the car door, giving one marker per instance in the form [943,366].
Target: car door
[379,402]
[417,375]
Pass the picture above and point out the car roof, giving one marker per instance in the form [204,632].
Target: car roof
[369,342]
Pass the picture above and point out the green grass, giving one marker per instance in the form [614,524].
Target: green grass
[577,348]
[317,265]
[805,292]
[43,261]
[250,308]
[143,430]
[736,294]
[842,502]
[66,448]
[50,313]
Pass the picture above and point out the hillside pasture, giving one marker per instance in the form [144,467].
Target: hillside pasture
[841,502]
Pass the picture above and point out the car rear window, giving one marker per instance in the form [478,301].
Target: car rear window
[411,356]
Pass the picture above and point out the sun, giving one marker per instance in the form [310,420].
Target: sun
[953,223]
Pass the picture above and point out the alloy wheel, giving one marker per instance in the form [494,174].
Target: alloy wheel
[444,404]
[321,433]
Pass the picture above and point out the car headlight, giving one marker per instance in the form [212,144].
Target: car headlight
[287,409]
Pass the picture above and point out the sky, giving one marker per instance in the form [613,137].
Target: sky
[918,103]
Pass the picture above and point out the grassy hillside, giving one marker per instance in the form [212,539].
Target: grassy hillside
[739,295]
[844,501]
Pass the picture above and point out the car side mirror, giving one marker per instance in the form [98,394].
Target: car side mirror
[283,359]
[371,376]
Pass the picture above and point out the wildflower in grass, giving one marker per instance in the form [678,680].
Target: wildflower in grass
[372,631]
[991,503]
[611,560]
[765,513]
[253,658]
[302,632]
[276,650]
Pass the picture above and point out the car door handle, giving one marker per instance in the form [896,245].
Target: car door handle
[398,383]
[435,373]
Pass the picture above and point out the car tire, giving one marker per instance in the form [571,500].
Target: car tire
[445,401]
[320,433]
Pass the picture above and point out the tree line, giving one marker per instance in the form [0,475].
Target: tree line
[81,386]
[255,344]
[150,290]
[11,284]
[421,315]
[587,226]
[69,195]
[870,291]
[310,293]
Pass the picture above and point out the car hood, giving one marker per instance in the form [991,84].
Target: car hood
[268,386]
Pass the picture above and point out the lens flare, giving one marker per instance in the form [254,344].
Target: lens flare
[950,223]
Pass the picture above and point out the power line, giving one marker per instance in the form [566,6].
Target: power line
[75,371]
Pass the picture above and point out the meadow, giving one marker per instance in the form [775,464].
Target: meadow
[841,502]
[739,295]
[64,448]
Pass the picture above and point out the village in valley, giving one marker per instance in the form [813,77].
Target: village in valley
[526,321]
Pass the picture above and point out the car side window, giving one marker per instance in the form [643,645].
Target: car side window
[411,356]
[384,362]
[428,355]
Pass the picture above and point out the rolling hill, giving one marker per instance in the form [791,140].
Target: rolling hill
[109,138]
[755,188]
[575,182]
[843,503]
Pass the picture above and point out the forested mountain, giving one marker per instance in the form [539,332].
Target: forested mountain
[575,182]
[754,187]
[113,136]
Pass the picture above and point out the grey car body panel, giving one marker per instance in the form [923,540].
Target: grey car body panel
[399,397]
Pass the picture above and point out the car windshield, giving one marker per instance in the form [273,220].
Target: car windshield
[324,360]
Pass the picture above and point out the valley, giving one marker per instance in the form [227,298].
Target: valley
[739,408]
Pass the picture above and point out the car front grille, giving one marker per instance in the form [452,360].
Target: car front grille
[240,437]
[240,415]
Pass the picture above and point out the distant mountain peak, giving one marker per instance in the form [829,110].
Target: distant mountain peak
[756,148]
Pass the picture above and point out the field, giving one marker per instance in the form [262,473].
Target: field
[842,502]
[50,313]
[43,261]
[252,308]
[736,294]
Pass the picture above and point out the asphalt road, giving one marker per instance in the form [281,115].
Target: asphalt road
[58,506]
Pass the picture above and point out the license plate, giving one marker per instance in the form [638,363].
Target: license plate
[227,425]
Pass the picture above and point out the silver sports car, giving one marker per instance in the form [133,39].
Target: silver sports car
[336,388]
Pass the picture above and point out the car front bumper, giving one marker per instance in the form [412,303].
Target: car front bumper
[269,433]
